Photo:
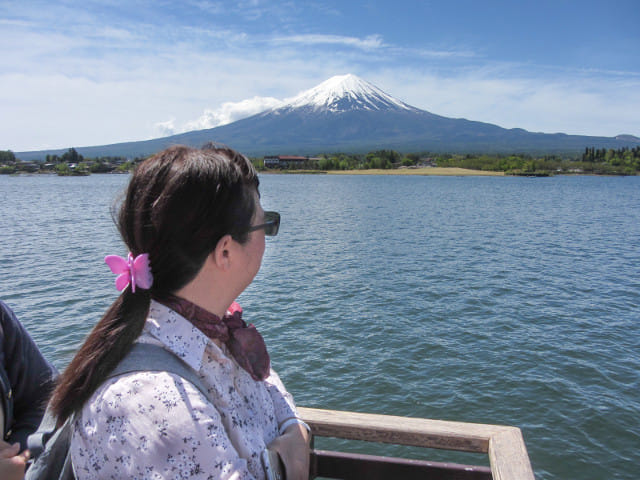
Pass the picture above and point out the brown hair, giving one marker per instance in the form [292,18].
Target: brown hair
[178,205]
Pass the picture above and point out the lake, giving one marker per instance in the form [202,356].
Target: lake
[483,299]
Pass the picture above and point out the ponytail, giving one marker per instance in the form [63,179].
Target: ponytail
[109,341]
[178,205]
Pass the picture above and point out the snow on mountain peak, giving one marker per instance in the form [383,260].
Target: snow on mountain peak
[343,93]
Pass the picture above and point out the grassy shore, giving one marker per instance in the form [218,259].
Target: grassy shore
[442,171]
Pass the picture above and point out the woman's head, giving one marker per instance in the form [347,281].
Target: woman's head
[180,203]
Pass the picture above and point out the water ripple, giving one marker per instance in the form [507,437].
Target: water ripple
[493,300]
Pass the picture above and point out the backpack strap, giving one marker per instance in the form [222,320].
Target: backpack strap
[145,357]
[49,446]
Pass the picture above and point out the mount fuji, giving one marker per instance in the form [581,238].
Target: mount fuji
[347,114]
[343,94]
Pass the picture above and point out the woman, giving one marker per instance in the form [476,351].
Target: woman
[196,216]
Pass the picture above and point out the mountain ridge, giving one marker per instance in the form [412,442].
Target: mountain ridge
[346,113]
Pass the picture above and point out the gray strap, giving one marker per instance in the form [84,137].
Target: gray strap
[54,461]
[142,357]
[153,358]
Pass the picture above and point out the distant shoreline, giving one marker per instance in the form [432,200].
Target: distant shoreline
[426,171]
[434,171]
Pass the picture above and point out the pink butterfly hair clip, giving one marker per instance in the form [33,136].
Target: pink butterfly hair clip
[134,271]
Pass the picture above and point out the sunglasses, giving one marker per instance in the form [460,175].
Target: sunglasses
[271,224]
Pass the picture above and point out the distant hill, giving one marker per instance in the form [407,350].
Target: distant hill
[628,138]
[348,114]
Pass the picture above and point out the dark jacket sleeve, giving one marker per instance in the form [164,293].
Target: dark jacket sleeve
[26,379]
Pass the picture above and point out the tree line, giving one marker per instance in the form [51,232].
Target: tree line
[69,163]
[622,161]
[380,159]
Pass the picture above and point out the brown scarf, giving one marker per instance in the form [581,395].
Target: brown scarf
[244,342]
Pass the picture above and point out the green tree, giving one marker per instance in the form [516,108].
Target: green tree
[71,156]
[63,169]
[7,157]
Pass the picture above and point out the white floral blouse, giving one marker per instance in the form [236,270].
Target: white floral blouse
[156,425]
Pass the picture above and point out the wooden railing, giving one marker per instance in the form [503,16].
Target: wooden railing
[504,445]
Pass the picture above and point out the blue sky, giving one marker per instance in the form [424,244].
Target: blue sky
[80,73]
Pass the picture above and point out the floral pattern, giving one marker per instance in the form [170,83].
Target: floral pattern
[156,425]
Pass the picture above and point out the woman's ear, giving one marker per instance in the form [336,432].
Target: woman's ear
[221,255]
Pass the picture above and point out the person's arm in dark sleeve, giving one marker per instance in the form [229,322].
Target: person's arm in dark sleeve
[29,376]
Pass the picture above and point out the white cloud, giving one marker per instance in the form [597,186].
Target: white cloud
[207,7]
[164,129]
[366,43]
[228,112]
[568,103]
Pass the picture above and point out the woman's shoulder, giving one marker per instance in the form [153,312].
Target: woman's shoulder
[134,389]
[126,405]
[139,423]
